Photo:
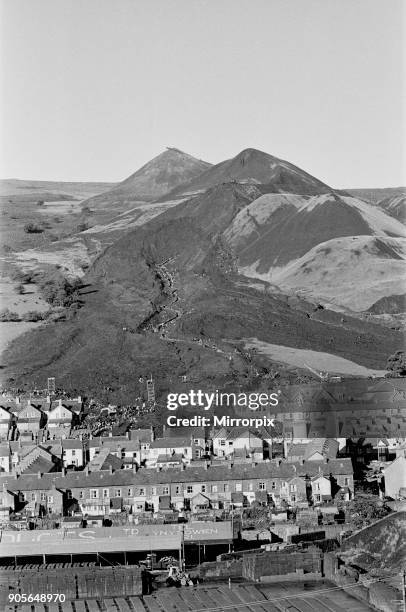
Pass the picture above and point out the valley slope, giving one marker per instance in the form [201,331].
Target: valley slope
[221,259]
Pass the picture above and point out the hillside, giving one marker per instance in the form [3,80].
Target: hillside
[271,174]
[150,277]
[375,194]
[156,178]
[395,206]
[353,272]
[179,285]
[26,189]
[319,245]
[381,545]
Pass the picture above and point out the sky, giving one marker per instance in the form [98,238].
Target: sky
[93,89]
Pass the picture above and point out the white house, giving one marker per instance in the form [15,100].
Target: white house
[72,452]
[321,488]
[5,458]
[60,416]
[395,477]
[169,447]
[5,422]
[228,442]
[29,419]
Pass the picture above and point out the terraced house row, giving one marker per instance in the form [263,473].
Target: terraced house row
[192,488]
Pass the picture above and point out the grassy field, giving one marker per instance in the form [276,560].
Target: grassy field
[318,360]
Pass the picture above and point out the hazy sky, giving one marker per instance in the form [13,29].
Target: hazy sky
[92,89]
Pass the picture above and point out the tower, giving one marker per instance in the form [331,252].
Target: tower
[150,391]
[51,385]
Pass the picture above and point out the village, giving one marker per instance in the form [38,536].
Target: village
[95,488]
[53,465]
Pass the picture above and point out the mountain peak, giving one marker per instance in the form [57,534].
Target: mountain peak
[253,166]
[157,177]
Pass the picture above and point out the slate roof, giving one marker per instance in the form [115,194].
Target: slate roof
[71,443]
[40,464]
[178,442]
[176,457]
[265,470]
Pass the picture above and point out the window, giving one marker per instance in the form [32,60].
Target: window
[346,482]
[317,497]
[106,493]
[69,494]
[142,491]
[230,443]
[226,488]
[203,488]
[262,486]
[165,490]
[293,487]
[129,492]
[273,485]
[118,493]
[33,497]
[153,491]
[73,453]
[214,488]
[94,494]
[317,486]
[222,442]
[81,494]
[50,499]
[189,489]
[238,486]
[177,489]
[43,497]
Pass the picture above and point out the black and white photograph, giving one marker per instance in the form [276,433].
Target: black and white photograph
[202,306]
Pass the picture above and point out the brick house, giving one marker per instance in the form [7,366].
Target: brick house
[143,489]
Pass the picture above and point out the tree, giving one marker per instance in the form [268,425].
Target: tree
[82,227]
[9,316]
[32,228]
[59,291]
[397,363]
[23,277]
[366,509]
[33,316]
